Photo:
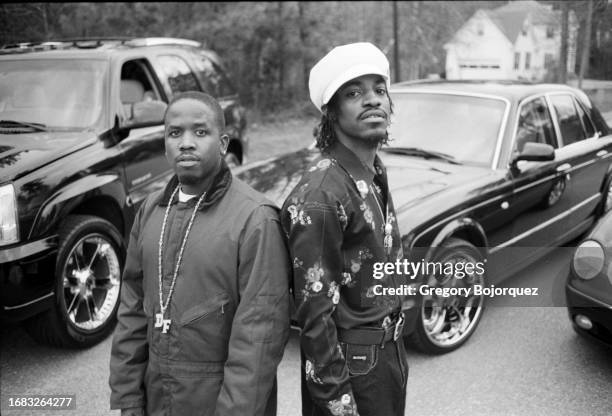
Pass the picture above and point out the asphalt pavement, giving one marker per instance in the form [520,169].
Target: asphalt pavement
[521,361]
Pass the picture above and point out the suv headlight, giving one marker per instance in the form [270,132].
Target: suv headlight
[9,232]
[589,259]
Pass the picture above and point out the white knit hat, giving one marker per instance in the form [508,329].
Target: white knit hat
[342,64]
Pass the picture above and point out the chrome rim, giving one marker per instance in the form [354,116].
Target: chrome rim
[448,321]
[91,278]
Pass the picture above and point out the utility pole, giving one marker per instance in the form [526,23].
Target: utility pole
[586,44]
[564,35]
[396,57]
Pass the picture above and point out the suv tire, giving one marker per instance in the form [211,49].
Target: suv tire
[88,272]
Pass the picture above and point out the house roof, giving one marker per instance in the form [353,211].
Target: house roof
[511,17]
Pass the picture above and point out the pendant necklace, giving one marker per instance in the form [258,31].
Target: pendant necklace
[388,227]
[160,322]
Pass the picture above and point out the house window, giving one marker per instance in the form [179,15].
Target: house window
[549,61]
[480,29]
[527,60]
[550,32]
[517,60]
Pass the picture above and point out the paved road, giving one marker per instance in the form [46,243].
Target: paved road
[521,361]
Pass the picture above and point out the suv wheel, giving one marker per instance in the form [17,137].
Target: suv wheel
[88,275]
[445,323]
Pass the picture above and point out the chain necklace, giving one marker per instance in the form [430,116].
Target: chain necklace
[160,322]
[388,227]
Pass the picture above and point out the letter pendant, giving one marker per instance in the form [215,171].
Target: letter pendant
[159,318]
[166,326]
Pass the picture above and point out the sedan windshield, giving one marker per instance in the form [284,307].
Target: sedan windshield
[50,94]
[463,129]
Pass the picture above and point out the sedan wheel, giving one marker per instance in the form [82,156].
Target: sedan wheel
[445,323]
[88,276]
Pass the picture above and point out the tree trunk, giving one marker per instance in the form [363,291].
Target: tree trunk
[303,34]
[564,35]
[45,18]
[586,44]
[280,55]
[396,56]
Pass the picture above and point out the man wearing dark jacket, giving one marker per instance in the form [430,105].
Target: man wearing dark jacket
[340,221]
[204,313]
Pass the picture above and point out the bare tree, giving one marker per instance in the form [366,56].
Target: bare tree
[586,44]
[564,34]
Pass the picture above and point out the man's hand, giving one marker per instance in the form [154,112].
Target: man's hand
[133,411]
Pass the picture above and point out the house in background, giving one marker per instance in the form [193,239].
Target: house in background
[520,41]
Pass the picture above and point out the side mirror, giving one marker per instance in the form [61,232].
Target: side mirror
[535,152]
[147,112]
[142,114]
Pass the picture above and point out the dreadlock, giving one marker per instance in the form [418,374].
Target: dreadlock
[325,133]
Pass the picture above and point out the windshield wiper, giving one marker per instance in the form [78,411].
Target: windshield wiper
[15,123]
[417,151]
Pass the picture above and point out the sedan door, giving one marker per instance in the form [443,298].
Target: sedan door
[540,197]
[585,156]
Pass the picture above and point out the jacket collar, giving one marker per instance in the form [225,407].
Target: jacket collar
[218,188]
[356,169]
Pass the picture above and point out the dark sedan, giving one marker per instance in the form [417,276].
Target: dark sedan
[589,285]
[480,172]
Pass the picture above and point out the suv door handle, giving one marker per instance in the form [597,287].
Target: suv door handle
[601,153]
[563,167]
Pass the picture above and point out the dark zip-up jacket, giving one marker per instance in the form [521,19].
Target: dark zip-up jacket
[229,311]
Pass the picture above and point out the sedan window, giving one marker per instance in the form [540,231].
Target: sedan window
[586,121]
[534,125]
[569,120]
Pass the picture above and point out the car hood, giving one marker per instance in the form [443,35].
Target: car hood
[25,152]
[413,179]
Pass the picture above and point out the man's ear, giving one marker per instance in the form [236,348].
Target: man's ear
[224,140]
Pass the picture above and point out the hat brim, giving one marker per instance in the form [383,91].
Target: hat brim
[352,73]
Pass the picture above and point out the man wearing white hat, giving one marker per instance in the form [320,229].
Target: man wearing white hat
[340,221]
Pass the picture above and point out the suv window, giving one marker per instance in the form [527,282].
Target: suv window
[211,76]
[535,125]
[569,120]
[178,74]
[137,85]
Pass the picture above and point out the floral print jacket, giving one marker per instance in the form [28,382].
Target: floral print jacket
[336,229]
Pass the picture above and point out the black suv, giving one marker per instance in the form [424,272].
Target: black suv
[81,146]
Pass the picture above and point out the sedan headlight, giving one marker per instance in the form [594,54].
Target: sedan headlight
[9,232]
[589,259]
